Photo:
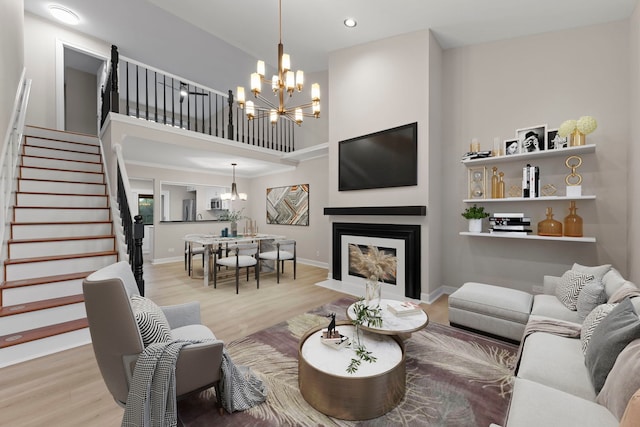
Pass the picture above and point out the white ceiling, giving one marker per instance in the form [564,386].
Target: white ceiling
[216,42]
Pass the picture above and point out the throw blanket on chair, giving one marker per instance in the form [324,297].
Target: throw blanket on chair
[151,401]
[550,326]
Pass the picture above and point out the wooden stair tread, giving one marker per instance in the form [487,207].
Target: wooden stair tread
[60,239]
[61,223]
[61,207]
[44,279]
[11,310]
[60,169]
[60,149]
[44,332]
[66,160]
[58,257]
[62,194]
[58,180]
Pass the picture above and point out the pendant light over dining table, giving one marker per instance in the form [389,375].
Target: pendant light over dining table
[284,81]
[234,195]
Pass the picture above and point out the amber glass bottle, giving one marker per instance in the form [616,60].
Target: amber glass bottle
[494,183]
[573,222]
[549,226]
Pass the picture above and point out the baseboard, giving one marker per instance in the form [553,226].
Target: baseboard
[430,297]
[313,263]
[157,261]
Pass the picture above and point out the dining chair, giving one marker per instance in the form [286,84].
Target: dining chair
[285,251]
[189,251]
[239,256]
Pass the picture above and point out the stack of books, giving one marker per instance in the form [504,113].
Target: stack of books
[510,223]
[405,308]
[476,155]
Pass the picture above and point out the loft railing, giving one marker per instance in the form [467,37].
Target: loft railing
[144,92]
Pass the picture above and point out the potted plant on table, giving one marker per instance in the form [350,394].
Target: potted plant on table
[475,215]
[233,217]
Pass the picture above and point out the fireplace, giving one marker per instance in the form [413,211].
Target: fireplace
[402,240]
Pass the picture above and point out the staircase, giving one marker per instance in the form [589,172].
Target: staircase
[61,231]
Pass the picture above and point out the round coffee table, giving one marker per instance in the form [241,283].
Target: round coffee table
[373,390]
[401,326]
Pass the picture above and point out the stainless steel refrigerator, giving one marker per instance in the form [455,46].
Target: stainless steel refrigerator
[189,210]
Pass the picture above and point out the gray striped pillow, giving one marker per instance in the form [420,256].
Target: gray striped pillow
[571,283]
[590,323]
[152,323]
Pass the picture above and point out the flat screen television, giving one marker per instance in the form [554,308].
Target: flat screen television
[388,158]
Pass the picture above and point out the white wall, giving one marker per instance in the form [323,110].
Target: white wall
[313,241]
[491,90]
[81,100]
[634,147]
[12,54]
[377,86]
[40,37]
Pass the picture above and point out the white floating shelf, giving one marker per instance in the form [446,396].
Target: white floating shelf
[525,157]
[530,199]
[531,237]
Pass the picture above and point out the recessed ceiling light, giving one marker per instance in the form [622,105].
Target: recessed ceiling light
[350,23]
[64,14]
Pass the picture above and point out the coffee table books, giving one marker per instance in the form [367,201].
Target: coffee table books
[403,308]
[334,339]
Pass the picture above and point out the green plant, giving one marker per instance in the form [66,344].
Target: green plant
[369,316]
[475,212]
[233,216]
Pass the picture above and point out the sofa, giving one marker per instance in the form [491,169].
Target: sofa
[585,371]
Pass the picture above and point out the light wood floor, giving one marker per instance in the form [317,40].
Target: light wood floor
[66,389]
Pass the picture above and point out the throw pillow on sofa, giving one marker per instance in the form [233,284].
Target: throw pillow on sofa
[623,380]
[609,338]
[591,296]
[590,323]
[152,323]
[569,287]
[598,271]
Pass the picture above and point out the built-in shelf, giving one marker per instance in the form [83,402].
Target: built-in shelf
[569,151]
[378,210]
[531,237]
[530,199]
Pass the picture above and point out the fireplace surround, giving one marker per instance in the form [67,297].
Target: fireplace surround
[410,234]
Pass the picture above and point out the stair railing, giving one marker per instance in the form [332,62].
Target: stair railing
[142,91]
[11,151]
[132,226]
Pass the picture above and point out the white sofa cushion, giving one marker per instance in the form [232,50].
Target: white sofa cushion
[591,296]
[590,323]
[598,271]
[192,333]
[550,306]
[536,405]
[571,284]
[152,323]
[556,362]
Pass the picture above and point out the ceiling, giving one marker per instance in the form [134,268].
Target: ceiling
[219,38]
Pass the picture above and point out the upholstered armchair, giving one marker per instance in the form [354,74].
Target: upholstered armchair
[117,341]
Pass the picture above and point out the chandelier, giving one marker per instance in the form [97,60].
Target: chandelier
[282,84]
[233,195]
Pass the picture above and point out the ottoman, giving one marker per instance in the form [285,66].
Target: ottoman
[491,309]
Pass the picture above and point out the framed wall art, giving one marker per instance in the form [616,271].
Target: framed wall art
[555,141]
[511,146]
[532,139]
[288,205]
[477,182]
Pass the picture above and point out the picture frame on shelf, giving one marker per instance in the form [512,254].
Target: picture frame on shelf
[511,146]
[532,139]
[555,141]
[477,182]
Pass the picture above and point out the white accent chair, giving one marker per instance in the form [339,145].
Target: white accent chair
[189,251]
[239,256]
[285,251]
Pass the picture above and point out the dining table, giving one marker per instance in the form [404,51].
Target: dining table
[211,241]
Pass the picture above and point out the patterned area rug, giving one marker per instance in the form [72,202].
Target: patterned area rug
[454,378]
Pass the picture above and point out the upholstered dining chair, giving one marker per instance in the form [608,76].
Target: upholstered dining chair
[237,257]
[285,251]
[117,340]
[191,250]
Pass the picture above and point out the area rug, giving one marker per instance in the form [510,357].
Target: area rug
[454,378]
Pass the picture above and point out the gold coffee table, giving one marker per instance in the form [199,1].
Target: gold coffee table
[373,390]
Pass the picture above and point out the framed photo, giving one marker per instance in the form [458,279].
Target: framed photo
[511,146]
[555,141]
[477,182]
[532,139]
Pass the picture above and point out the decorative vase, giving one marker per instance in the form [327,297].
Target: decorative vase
[234,229]
[573,222]
[500,193]
[549,226]
[494,183]
[475,226]
[373,292]
[577,138]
